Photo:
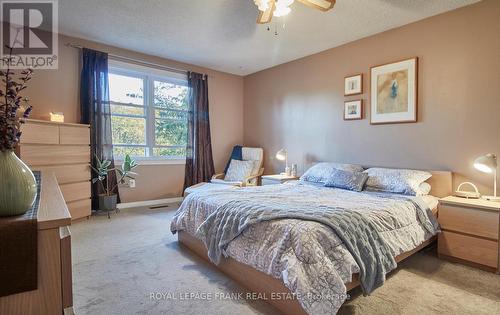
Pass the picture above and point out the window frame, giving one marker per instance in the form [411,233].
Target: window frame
[149,76]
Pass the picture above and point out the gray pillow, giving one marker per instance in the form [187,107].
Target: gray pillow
[347,180]
[399,181]
[320,172]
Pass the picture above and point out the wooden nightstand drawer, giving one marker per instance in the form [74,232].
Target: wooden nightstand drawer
[477,250]
[469,220]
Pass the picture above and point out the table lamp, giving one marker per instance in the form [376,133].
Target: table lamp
[488,164]
[282,155]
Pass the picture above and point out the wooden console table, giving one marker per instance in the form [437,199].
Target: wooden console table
[54,294]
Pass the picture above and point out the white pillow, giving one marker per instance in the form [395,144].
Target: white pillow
[399,181]
[320,172]
[239,170]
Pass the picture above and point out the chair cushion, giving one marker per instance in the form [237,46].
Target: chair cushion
[253,154]
[239,170]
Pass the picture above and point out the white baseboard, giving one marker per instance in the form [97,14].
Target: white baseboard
[147,203]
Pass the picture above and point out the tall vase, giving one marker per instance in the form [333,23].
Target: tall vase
[17,185]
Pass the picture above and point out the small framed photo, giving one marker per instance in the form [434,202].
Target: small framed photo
[353,110]
[353,85]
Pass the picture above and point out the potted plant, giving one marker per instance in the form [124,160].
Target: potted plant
[17,182]
[107,200]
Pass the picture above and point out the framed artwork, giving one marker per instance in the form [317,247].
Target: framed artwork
[353,85]
[394,92]
[353,110]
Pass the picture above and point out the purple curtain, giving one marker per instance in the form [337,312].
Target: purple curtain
[199,160]
[95,110]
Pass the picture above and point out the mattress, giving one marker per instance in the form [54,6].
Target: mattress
[308,256]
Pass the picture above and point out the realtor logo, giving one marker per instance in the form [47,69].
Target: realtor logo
[29,29]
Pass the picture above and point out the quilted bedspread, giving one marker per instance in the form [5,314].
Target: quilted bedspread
[292,232]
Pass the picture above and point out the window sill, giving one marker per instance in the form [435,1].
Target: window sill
[145,161]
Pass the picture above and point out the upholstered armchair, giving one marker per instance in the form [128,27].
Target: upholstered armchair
[248,154]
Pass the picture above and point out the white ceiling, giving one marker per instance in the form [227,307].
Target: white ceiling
[223,35]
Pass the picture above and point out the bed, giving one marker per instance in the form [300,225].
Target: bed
[302,266]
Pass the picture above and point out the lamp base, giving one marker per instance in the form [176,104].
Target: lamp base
[491,198]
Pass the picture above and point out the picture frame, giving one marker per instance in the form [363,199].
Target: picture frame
[353,85]
[394,92]
[353,110]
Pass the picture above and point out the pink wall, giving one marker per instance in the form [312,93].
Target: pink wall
[58,90]
[299,105]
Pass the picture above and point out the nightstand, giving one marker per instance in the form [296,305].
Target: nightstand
[470,230]
[276,179]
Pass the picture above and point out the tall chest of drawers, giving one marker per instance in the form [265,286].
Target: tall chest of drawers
[63,149]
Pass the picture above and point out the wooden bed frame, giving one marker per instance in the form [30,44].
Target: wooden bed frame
[265,285]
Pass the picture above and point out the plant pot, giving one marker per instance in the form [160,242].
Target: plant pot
[17,185]
[107,203]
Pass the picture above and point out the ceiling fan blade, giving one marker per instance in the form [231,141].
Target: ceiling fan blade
[266,16]
[323,5]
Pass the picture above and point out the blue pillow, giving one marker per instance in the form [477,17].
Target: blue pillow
[346,180]
[320,172]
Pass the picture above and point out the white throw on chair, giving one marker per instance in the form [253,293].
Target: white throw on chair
[243,173]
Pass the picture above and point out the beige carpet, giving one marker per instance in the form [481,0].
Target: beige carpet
[119,263]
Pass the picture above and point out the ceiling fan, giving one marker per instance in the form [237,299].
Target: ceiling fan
[278,8]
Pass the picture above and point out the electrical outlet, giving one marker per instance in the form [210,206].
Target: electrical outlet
[131,183]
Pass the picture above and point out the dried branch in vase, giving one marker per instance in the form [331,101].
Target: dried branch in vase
[12,115]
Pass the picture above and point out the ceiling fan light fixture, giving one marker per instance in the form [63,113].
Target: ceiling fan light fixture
[281,11]
[283,7]
[279,8]
[262,5]
[284,3]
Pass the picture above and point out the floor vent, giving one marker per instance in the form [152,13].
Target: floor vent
[159,206]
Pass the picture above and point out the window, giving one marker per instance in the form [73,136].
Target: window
[148,112]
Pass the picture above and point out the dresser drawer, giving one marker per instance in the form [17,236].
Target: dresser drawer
[66,271]
[34,155]
[74,135]
[470,221]
[40,134]
[68,173]
[477,250]
[80,209]
[76,191]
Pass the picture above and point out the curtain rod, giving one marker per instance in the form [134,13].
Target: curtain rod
[136,61]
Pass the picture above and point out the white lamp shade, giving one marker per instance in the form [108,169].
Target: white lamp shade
[281,155]
[486,163]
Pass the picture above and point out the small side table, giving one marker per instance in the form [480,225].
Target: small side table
[276,179]
[470,231]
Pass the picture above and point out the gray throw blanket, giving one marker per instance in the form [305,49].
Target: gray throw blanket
[357,232]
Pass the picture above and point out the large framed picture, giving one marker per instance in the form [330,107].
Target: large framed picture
[394,92]
[353,110]
[353,85]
